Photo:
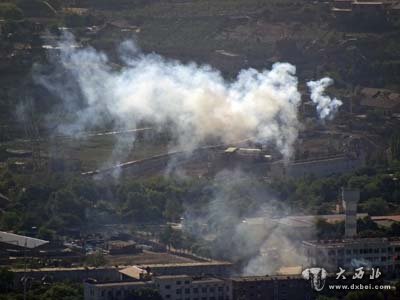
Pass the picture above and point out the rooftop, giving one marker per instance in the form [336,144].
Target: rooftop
[265,278]
[20,240]
[120,283]
[349,242]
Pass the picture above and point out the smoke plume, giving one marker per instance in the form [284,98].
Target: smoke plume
[326,107]
[195,100]
[240,224]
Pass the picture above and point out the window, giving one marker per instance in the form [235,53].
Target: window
[168,296]
[220,289]
[178,282]
[178,291]
[168,287]
[187,281]
[212,289]
[204,290]
[187,291]
[195,290]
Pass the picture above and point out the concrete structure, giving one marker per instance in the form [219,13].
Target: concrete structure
[20,241]
[67,274]
[212,268]
[350,198]
[350,253]
[112,290]
[170,287]
[318,167]
[182,287]
[271,287]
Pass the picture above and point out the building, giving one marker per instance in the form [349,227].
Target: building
[78,274]
[122,247]
[183,287]
[212,268]
[271,287]
[353,252]
[16,245]
[170,287]
[350,253]
[112,290]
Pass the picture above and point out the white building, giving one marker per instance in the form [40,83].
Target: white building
[170,287]
[350,253]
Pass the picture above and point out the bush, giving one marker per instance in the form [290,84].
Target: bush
[10,11]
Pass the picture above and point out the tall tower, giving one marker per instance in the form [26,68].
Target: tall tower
[350,198]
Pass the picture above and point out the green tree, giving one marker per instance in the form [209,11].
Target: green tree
[395,146]
[173,210]
[364,295]
[375,206]
[6,280]
[10,11]
[62,291]
[96,260]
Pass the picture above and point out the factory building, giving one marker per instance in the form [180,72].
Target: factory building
[170,287]
[352,252]
[184,287]
[271,287]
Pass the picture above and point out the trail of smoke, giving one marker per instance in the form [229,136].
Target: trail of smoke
[326,107]
[195,101]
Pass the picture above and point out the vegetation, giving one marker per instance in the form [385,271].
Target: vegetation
[61,291]
[10,11]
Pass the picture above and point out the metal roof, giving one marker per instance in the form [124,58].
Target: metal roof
[20,240]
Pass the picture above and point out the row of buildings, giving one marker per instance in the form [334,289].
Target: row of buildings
[353,251]
[197,286]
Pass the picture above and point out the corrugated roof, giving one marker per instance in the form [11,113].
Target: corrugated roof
[20,240]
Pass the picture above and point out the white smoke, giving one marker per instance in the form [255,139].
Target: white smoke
[326,107]
[196,100]
[197,103]
[240,219]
